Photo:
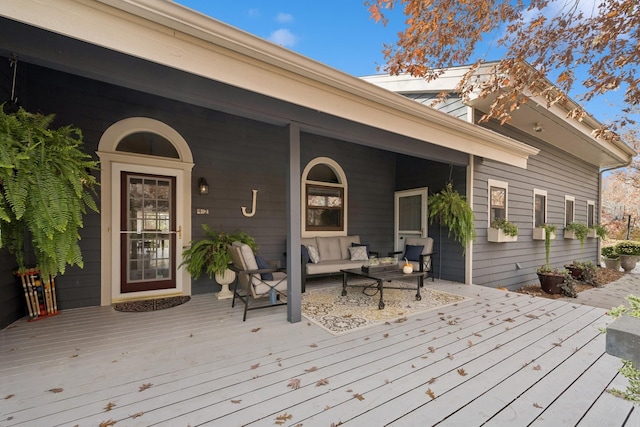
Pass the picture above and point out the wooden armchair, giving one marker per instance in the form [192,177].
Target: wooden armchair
[254,282]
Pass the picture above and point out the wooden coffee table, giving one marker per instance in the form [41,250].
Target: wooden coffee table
[381,277]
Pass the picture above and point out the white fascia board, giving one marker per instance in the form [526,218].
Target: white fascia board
[169,34]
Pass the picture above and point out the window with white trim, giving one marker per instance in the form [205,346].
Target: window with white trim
[591,213]
[569,209]
[539,207]
[498,200]
[324,198]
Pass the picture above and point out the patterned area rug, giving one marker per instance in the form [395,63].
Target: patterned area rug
[150,304]
[327,308]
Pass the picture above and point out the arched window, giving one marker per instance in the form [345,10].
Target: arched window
[324,187]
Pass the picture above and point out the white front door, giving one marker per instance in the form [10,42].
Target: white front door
[410,215]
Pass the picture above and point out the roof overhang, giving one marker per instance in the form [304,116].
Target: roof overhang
[534,118]
[169,34]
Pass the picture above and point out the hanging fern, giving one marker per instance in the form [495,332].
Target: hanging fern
[452,210]
[45,189]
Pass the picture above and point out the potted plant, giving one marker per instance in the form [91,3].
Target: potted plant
[541,231]
[576,230]
[211,255]
[502,230]
[629,252]
[597,230]
[583,271]
[550,278]
[46,187]
[454,212]
[611,257]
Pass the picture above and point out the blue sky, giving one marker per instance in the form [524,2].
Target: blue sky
[338,33]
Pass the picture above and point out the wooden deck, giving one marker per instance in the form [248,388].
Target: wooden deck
[497,359]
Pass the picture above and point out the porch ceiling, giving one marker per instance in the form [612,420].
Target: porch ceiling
[168,34]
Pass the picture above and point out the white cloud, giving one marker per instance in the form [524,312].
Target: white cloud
[284,18]
[283,37]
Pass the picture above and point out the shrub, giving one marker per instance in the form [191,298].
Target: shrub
[628,247]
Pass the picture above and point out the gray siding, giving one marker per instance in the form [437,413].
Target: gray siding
[453,105]
[557,172]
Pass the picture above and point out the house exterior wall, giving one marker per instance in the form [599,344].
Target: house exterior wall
[557,172]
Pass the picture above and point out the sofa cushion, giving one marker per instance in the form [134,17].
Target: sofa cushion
[345,243]
[329,248]
[334,266]
[366,245]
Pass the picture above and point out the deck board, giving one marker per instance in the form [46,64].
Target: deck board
[207,367]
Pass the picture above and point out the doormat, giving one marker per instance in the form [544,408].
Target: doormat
[327,308]
[150,304]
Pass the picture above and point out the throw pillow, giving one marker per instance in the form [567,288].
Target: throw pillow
[358,253]
[262,263]
[413,252]
[314,256]
[366,245]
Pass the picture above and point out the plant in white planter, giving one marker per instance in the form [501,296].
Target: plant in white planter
[576,230]
[611,257]
[596,230]
[541,231]
[502,230]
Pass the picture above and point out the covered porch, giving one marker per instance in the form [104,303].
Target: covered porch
[499,358]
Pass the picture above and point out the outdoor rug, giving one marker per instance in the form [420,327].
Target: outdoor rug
[327,308]
[150,304]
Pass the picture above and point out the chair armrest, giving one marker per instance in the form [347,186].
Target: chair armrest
[374,253]
[395,253]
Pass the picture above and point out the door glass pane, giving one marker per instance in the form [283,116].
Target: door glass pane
[409,213]
[148,236]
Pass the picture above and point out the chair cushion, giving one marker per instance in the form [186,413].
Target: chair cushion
[314,256]
[262,263]
[329,248]
[413,252]
[358,253]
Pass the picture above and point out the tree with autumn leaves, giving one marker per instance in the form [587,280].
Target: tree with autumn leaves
[540,38]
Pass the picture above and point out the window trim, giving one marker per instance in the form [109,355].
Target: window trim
[498,184]
[538,192]
[342,178]
[573,214]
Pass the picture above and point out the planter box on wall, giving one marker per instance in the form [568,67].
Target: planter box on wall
[540,234]
[592,234]
[497,235]
[569,234]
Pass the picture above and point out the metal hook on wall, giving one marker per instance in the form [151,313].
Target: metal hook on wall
[253,205]
[13,63]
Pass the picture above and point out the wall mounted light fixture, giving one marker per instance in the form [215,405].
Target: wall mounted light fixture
[537,128]
[203,187]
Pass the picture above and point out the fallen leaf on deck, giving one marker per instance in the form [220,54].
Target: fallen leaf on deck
[72,356]
[432,349]
[430,393]
[109,406]
[432,380]
[450,356]
[107,423]
[509,319]
[255,329]
[402,319]
[143,387]
[323,381]
[136,415]
[537,368]
[56,390]
[470,343]
[314,345]
[535,405]
[9,396]
[236,401]
[358,396]
[294,383]
[255,366]
[462,372]
[477,334]
[311,369]
[386,335]
[281,419]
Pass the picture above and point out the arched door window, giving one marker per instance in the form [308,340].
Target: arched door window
[324,197]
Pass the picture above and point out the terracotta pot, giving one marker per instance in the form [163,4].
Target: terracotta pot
[628,262]
[550,283]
